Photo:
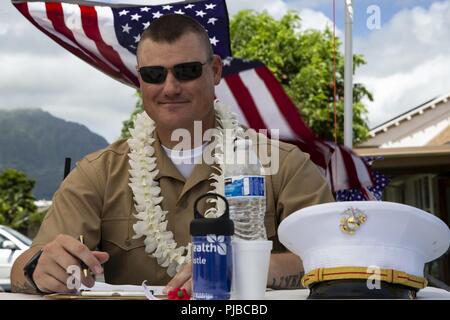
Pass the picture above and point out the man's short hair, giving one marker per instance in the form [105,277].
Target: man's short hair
[171,27]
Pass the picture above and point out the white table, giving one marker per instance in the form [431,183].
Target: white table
[428,293]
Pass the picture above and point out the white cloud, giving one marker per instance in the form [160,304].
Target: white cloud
[67,88]
[38,73]
[276,8]
[312,19]
[403,90]
[407,59]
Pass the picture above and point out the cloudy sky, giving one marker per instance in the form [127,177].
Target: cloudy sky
[408,54]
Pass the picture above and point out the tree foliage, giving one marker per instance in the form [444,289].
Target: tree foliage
[302,61]
[17,208]
[127,124]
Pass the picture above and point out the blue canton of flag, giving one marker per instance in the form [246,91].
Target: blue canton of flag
[381,182]
[130,22]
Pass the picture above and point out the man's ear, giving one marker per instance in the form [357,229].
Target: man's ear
[139,79]
[217,69]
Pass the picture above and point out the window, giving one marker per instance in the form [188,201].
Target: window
[27,241]
[2,238]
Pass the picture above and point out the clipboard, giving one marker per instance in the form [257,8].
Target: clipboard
[103,291]
[103,296]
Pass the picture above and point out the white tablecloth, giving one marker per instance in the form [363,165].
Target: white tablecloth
[428,293]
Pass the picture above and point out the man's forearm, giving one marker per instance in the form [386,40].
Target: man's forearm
[285,271]
[19,283]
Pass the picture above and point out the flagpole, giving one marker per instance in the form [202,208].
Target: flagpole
[348,76]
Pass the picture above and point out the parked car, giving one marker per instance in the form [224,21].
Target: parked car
[12,244]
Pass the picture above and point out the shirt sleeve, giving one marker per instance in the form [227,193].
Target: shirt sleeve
[299,184]
[76,208]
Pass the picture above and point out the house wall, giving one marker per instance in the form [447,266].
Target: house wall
[421,191]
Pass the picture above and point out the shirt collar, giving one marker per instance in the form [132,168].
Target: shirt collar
[166,168]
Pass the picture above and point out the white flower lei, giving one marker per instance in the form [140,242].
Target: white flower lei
[152,221]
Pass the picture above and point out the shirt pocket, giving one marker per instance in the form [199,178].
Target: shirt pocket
[118,232]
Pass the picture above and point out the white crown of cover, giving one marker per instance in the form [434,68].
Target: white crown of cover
[394,236]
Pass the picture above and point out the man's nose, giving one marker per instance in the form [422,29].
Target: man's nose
[172,85]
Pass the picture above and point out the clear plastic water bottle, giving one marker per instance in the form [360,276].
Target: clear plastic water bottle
[245,192]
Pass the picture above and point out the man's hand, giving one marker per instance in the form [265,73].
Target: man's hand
[64,251]
[182,280]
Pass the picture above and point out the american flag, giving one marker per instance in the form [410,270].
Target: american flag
[253,93]
[105,35]
[381,182]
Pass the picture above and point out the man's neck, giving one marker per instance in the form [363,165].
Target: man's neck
[193,139]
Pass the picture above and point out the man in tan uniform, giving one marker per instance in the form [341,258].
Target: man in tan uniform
[95,200]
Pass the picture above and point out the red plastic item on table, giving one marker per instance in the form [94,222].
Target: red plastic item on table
[178,294]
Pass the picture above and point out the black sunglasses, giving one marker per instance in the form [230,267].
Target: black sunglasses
[183,72]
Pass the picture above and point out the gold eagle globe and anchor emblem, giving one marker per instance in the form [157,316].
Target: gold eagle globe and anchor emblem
[352,220]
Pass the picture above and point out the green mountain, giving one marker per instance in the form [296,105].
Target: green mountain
[37,143]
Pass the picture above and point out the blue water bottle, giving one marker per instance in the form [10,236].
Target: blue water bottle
[212,258]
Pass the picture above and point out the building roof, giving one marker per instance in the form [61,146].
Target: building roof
[424,159]
[407,115]
[426,124]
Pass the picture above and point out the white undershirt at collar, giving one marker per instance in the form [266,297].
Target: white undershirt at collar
[184,160]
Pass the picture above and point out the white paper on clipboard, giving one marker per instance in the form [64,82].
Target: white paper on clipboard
[108,290]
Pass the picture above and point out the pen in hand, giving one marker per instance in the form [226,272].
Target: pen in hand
[83,265]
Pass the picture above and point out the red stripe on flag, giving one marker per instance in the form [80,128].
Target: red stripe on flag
[23,8]
[245,101]
[56,16]
[89,21]
[307,142]
[285,104]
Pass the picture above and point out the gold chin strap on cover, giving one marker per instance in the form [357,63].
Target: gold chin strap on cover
[386,275]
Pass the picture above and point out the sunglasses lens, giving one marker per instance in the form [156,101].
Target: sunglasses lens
[153,74]
[188,71]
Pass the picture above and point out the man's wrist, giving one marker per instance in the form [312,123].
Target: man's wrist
[28,271]
[285,271]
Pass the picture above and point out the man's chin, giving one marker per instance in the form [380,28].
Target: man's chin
[174,121]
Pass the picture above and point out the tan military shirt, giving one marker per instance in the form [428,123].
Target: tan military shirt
[95,201]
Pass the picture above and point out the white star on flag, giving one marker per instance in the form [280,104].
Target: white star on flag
[200,13]
[157,15]
[179,12]
[210,6]
[137,38]
[189,6]
[136,17]
[126,28]
[227,61]
[145,9]
[123,13]
[213,41]
[146,24]
[212,21]
[167,7]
